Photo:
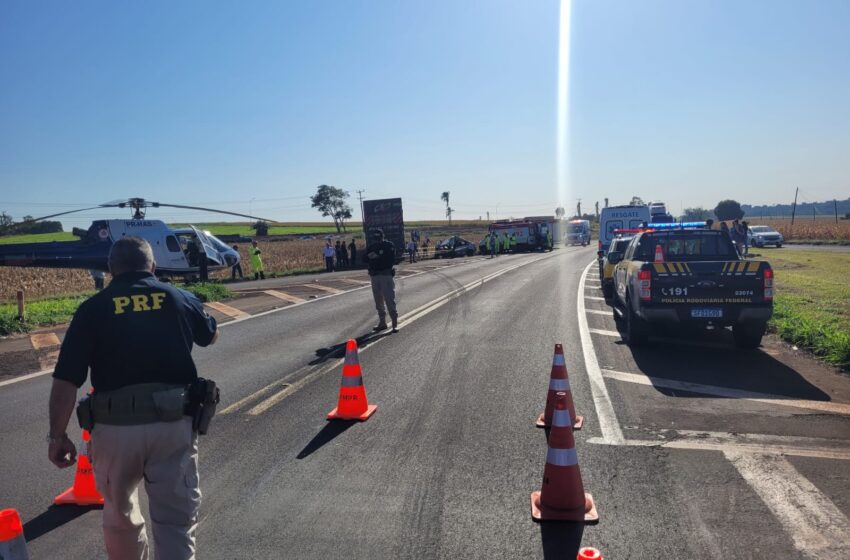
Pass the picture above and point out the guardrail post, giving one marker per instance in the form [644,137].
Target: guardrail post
[21,307]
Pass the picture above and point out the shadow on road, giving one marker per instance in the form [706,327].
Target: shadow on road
[561,539]
[325,435]
[710,358]
[338,350]
[53,518]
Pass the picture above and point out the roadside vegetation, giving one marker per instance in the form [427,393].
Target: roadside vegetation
[812,305]
[823,231]
[38,238]
[59,310]
[42,313]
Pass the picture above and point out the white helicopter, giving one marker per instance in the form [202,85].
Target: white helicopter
[176,251]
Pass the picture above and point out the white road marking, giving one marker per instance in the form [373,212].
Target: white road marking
[27,376]
[599,312]
[327,289]
[404,320]
[608,423]
[227,310]
[726,392]
[289,389]
[284,296]
[604,332]
[593,298]
[742,443]
[817,528]
[247,317]
[255,395]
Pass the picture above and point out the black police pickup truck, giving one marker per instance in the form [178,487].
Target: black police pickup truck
[683,277]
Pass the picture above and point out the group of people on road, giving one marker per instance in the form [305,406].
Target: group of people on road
[500,243]
[340,255]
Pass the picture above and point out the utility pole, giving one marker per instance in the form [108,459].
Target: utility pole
[597,211]
[362,216]
[578,209]
[794,208]
[835,202]
[488,215]
[606,202]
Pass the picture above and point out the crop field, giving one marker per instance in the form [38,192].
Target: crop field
[38,238]
[822,229]
[279,257]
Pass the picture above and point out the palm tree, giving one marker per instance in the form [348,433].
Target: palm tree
[445,198]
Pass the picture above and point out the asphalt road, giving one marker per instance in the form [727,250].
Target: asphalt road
[691,449]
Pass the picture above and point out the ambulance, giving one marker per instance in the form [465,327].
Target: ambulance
[620,217]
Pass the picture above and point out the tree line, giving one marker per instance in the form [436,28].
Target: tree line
[27,226]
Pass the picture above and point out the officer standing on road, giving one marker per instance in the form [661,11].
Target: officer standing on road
[136,336]
[380,254]
[256,261]
[494,245]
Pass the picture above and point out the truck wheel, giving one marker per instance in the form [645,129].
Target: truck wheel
[636,328]
[748,335]
[778,245]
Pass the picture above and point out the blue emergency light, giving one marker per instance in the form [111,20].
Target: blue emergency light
[682,225]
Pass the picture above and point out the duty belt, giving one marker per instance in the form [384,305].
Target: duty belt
[140,404]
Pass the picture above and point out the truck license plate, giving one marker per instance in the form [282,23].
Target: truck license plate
[706,313]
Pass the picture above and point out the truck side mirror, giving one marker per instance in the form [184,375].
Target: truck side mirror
[615,257]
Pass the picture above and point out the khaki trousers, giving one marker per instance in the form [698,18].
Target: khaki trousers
[165,456]
[383,290]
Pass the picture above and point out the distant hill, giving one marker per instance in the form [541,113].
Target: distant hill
[803,209]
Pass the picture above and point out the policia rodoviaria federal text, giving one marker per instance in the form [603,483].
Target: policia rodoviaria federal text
[148,404]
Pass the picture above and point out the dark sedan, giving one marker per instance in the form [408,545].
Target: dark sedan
[454,247]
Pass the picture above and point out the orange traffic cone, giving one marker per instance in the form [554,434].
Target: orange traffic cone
[353,404]
[659,254]
[562,497]
[589,553]
[558,381]
[83,492]
[13,545]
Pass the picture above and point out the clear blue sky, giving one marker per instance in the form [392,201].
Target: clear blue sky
[218,103]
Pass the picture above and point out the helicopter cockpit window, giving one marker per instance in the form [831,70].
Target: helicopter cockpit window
[171,243]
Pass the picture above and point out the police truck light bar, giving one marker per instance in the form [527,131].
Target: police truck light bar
[683,225]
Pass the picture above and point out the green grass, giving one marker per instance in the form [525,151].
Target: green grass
[57,311]
[38,238]
[209,291]
[46,312]
[812,303]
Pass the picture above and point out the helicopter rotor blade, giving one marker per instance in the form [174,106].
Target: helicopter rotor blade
[212,210]
[18,224]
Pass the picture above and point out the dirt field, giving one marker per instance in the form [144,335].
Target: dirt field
[280,256]
[822,229]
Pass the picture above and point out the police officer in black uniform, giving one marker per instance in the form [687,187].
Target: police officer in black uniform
[136,336]
[380,255]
